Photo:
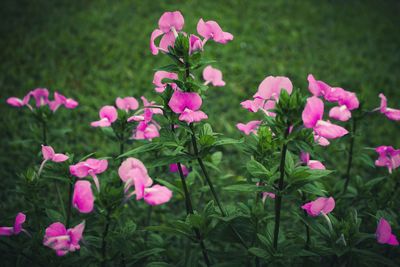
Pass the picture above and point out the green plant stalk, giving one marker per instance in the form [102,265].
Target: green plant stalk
[350,159]
[278,200]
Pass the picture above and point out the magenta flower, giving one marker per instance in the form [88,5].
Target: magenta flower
[320,206]
[213,76]
[58,238]
[41,96]
[312,118]
[146,131]
[16,229]
[391,113]
[17,102]
[187,104]
[312,164]
[388,157]
[126,103]
[108,114]
[210,30]
[133,173]
[60,100]
[174,168]
[195,44]
[341,113]
[159,76]
[83,199]
[49,155]
[384,233]
[248,128]
[170,23]
[90,167]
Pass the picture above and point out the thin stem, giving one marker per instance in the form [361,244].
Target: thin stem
[211,186]
[69,206]
[350,159]
[278,200]
[104,241]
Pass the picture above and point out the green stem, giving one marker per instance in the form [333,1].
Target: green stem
[211,186]
[278,200]
[69,206]
[350,159]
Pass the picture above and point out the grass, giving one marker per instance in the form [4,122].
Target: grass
[95,51]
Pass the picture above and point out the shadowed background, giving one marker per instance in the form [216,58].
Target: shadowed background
[95,51]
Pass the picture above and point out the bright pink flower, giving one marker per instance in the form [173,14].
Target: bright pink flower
[312,118]
[133,173]
[187,104]
[16,229]
[391,113]
[312,164]
[195,44]
[17,102]
[174,168]
[159,76]
[321,205]
[58,238]
[108,114]
[83,198]
[60,100]
[322,141]
[213,76]
[49,155]
[127,103]
[41,96]
[270,88]
[210,30]
[90,167]
[384,233]
[169,24]
[388,157]
[248,128]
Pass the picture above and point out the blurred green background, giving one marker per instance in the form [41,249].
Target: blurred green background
[95,51]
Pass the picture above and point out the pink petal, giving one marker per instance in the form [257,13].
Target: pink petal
[157,195]
[131,168]
[167,40]
[316,165]
[19,220]
[15,102]
[383,231]
[341,113]
[83,199]
[76,233]
[101,123]
[191,116]
[195,44]
[329,130]
[6,231]
[154,35]
[174,168]
[253,105]
[250,127]
[59,157]
[271,87]
[312,112]
[171,19]
[108,112]
[47,152]
[329,205]
[213,76]
[184,100]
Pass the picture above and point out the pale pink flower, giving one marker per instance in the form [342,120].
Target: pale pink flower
[213,76]
[187,104]
[60,100]
[49,155]
[320,206]
[127,103]
[108,114]
[266,195]
[63,241]
[16,229]
[159,76]
[312,164]
[210,30]
[90,167]
[248,128]
[270,88]
[384,233]
[195,44]
[17,102]
[391,113]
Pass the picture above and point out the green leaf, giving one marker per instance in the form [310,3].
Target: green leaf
[258,252]
[248,188]
[147,253]
[256,169]
[54,215]
[141,149]
[227,141]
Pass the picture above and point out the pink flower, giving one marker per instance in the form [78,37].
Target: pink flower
[90,167]
[41,96]
[133,173]
[317,88]
[254,105]
[159,76]
[312,164]
[108,114]
[49,155]
[210,30]
[391,113]
[17,102]
[213,76]
[146,131]
[388,157]
[174,168]
[58,238]
[169,24]
[384,233]
[248,128]
[341,113]
[321,205]
[187,104]
[127,103]
[16,229]
[312,118]
[266,195]
[195,44]
[83,198]
[60,100]
[270,88]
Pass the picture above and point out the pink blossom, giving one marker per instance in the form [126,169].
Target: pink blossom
[41,96]
[169,24]
[90,167]
[391,113]
[253,105]
[159,76]
[146,131]
[312,164]
[384,233]
[248,128]
[16,229]
[388,157]
[149,106]
[83,198]
[108,114]
[321,205]
[187,104]
[312,118]
[58,238]
[17,102]
[60,100]
[210,30]
[317,88]
[133,173]
[213,76]
[174,168]
[270,88]
[49,155]
[195,44]
[341,113]
[127,103]
[266,195]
